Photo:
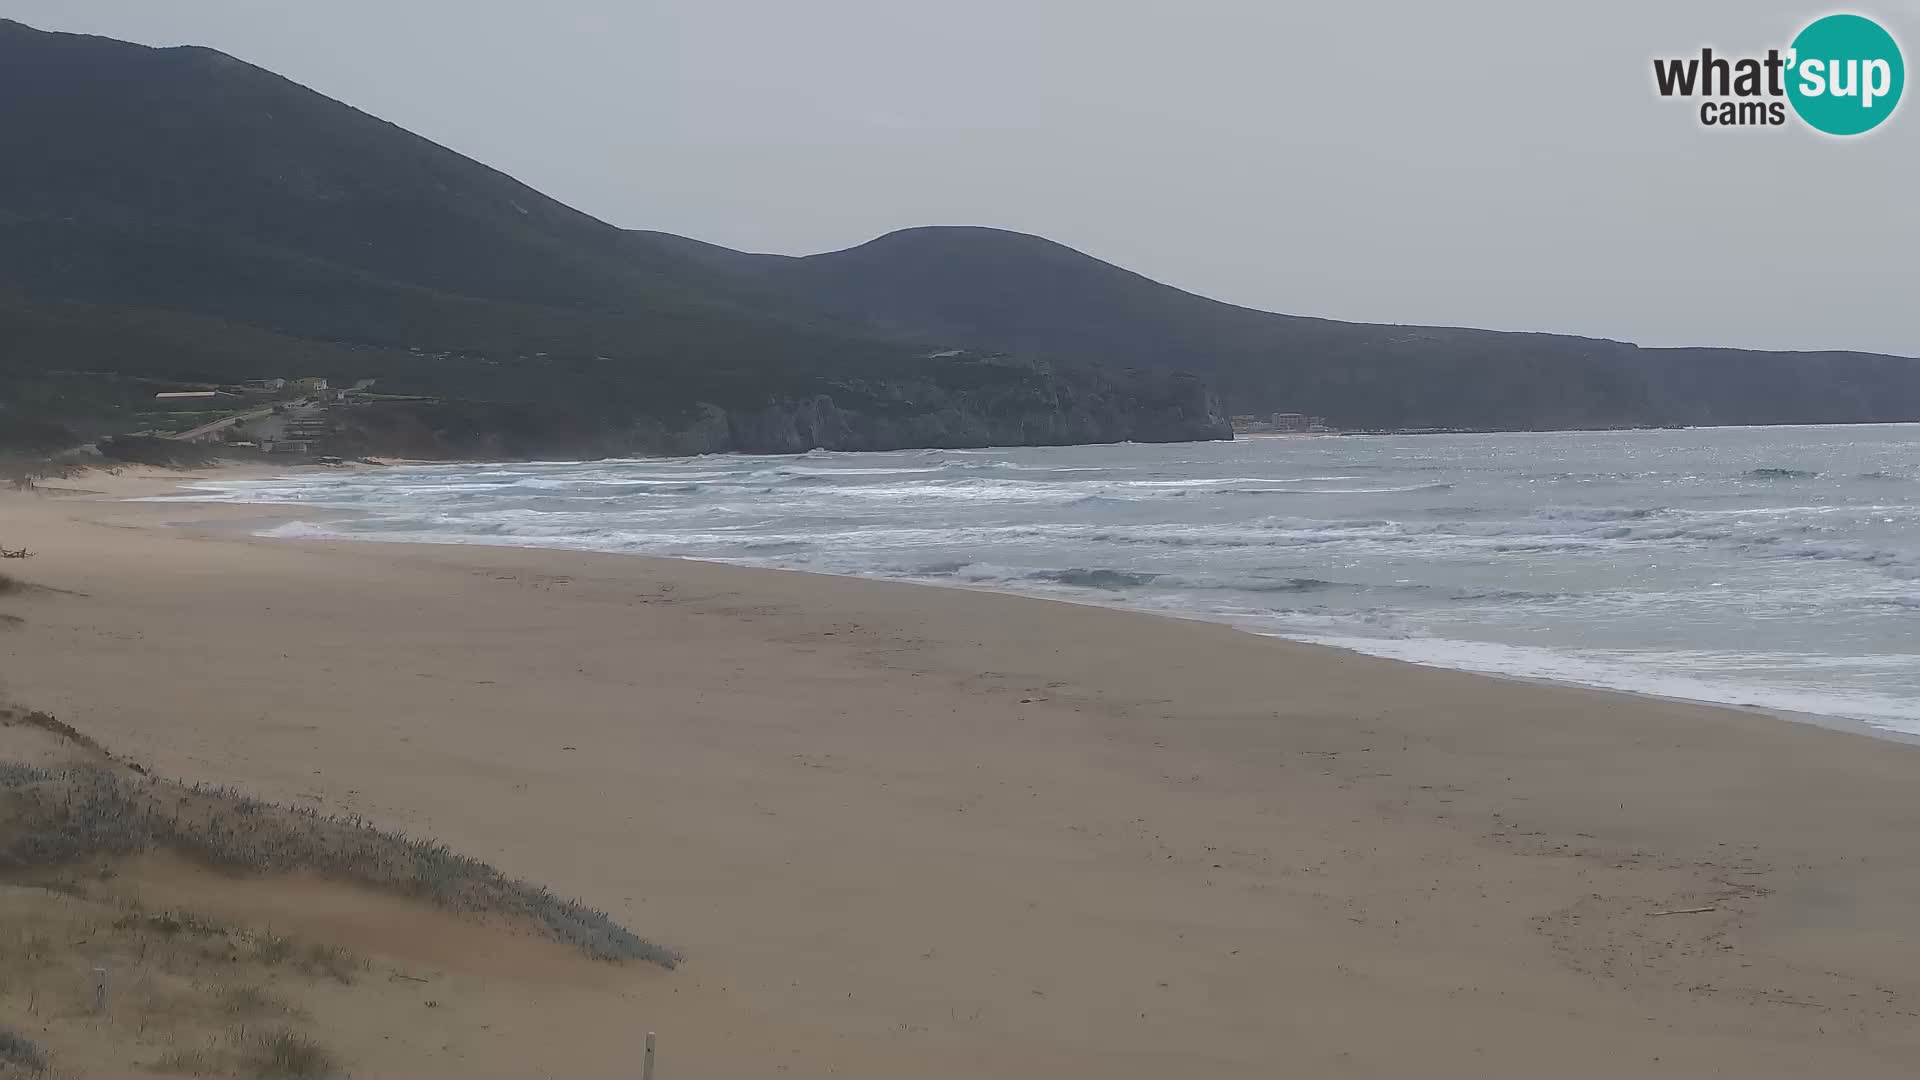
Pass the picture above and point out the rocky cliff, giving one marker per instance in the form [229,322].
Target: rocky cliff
[988,402]
[1010,292]
[1051,408]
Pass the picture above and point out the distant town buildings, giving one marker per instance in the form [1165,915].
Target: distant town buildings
[290,416]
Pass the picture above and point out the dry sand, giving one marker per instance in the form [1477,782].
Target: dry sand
[906,831]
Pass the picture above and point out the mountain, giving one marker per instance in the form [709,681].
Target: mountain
[177,215]
[992,289]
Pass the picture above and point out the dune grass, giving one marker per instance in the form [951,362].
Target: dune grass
[213,991]
[190,995]
[19,1052]
[289,1055]
[198,1061]
[102,808]
[276,1054]
[48,723]
[15,774]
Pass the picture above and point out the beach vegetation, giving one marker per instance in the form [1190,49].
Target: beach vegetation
[191,1061]
[289,1055]
[157,450]
[98,809]
[246,1002]
[218,998]
[21,1053]
[334,961]
[279,1053]
[272,950]
[48,723]
[16,774]
[180,977]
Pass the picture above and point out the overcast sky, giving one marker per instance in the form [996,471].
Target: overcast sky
[1503,165]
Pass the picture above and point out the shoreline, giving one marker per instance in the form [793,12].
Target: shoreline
[911,831]
[287,516]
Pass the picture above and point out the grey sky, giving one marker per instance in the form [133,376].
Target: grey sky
[1504,165]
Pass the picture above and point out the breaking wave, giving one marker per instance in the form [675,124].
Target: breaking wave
[1600,557]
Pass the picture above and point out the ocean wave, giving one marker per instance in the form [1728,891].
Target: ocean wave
[1008,466]
[1903,564]
[939,569]
[1602,513]
[1590,538]
[613,489]
[789,471]
[1590,530]
[1673,674]
[816,489]
[1507,596]
[1108,578]
[1407,490]
[623,478]
[1587,477]
[778,547]
[1294,585]
[1217,481]
[1244,583]
[1097,578]
[1541,547]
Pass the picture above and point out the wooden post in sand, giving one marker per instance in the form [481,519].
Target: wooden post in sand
[100,990]
[646,1067]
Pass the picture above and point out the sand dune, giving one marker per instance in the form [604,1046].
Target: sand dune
[911,831]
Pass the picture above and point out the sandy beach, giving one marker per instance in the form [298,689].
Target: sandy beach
[909,831]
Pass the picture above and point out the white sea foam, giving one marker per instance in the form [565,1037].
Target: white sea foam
[1675,675]
[1778,567]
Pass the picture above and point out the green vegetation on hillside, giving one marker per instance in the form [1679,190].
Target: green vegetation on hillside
[987,288]
[186,218]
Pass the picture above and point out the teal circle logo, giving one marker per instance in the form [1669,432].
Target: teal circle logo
[1845,74]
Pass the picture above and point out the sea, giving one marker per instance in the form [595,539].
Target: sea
[1773,567]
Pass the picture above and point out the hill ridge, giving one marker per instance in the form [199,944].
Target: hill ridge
[993,288]
[183,181]
[187,182]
